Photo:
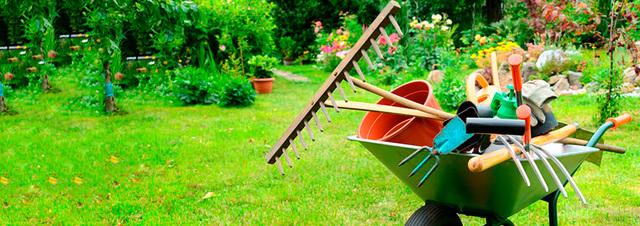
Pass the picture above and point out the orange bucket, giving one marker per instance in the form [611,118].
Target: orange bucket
[399,128]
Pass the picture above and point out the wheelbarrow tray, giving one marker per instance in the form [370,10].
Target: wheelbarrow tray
[499,191]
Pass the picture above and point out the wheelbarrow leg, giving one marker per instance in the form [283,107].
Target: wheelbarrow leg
[552,200]
[495,221]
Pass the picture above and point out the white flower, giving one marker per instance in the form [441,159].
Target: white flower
[41,62]
[85,40]
[152,63]
[436,18]
[342,54]
[444,28]
[428,26]
[449,22]
[23,52]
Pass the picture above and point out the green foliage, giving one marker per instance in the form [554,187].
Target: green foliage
[236,92]
[288,47]
[261,65]
[609,99]
[194,86]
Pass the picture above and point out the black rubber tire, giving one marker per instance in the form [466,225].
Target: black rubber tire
[434,215]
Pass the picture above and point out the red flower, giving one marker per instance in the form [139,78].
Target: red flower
[8,76]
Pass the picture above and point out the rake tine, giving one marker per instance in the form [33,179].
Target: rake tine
[564,171]
[405,160]
[286,157]
[308,128]
[424,178]
[367,59]
[295,150]
[348,78]
[304,145]
[376,48]
[415,170]
[395,25]
[333,102]
[516,160]
[551,171]
[385,36]
[315,118]
[532,163]
[279,164]
[358,70]
[344,97]
[324,111]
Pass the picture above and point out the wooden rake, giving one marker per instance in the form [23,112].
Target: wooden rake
[324,96]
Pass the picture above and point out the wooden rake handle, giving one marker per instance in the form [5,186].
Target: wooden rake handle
[360,106]
[401,100]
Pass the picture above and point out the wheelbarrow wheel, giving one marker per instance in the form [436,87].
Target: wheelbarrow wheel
[434,215]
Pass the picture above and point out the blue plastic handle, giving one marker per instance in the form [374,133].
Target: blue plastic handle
[108,89]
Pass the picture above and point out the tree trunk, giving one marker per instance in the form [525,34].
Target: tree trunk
[493,10]
[3,105]
[45,83]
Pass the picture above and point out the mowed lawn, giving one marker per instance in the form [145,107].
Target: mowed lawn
[167,164]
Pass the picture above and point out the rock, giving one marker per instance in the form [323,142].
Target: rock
[554,79]
[528,69]
[557,56]
[627,87]
[591,87]
[561,85]
[504,74]
[629,75]
[574,78]
[436,76]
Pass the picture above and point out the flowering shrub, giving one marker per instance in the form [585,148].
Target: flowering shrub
[483,47]
[335,45]
[427,40]
[562,22]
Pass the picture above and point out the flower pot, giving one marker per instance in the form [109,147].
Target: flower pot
[262,85]
[287,61]
[399,128]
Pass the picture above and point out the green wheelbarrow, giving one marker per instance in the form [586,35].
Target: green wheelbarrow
[494,194]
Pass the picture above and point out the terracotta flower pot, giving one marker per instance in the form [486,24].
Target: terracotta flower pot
[287,61]
[262,85]
[399,128]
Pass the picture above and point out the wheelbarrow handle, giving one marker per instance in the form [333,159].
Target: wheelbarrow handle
[490,159]
[620,120]
[611,123]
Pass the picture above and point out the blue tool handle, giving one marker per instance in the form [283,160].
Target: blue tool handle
[1,89]
[108,89]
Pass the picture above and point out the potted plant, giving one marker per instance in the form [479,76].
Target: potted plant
[288,48]
[261,68]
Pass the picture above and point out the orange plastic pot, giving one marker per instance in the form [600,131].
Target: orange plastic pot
[399,128]
[262,85]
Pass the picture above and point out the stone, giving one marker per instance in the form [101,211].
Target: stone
[554,79]
[557,56]
[627,87]
[574,78]
[504,74]
[436,76]
[561,85]
[629,75]
[528,69]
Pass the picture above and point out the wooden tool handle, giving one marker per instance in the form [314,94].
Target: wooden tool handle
[483,162]
[620,120]
[352,105]
[603,147]
[401,100]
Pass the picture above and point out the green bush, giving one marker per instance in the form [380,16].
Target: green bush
[194,86]
[236,92]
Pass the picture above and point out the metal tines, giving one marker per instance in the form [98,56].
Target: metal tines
[422,163]
[375,31]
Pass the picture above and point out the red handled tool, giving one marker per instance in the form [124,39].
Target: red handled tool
[515,60]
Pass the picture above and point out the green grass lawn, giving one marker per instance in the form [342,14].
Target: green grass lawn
[155,164]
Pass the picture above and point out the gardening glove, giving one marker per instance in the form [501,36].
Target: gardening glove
[537,94]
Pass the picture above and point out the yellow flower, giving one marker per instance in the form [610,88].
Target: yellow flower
[478,37]
[52,180]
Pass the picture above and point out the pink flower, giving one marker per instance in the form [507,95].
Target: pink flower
[342,54]
[382,41]
[317,26]
[394,38]
[392,50]
[223,48]
[339,31]
[326,49]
